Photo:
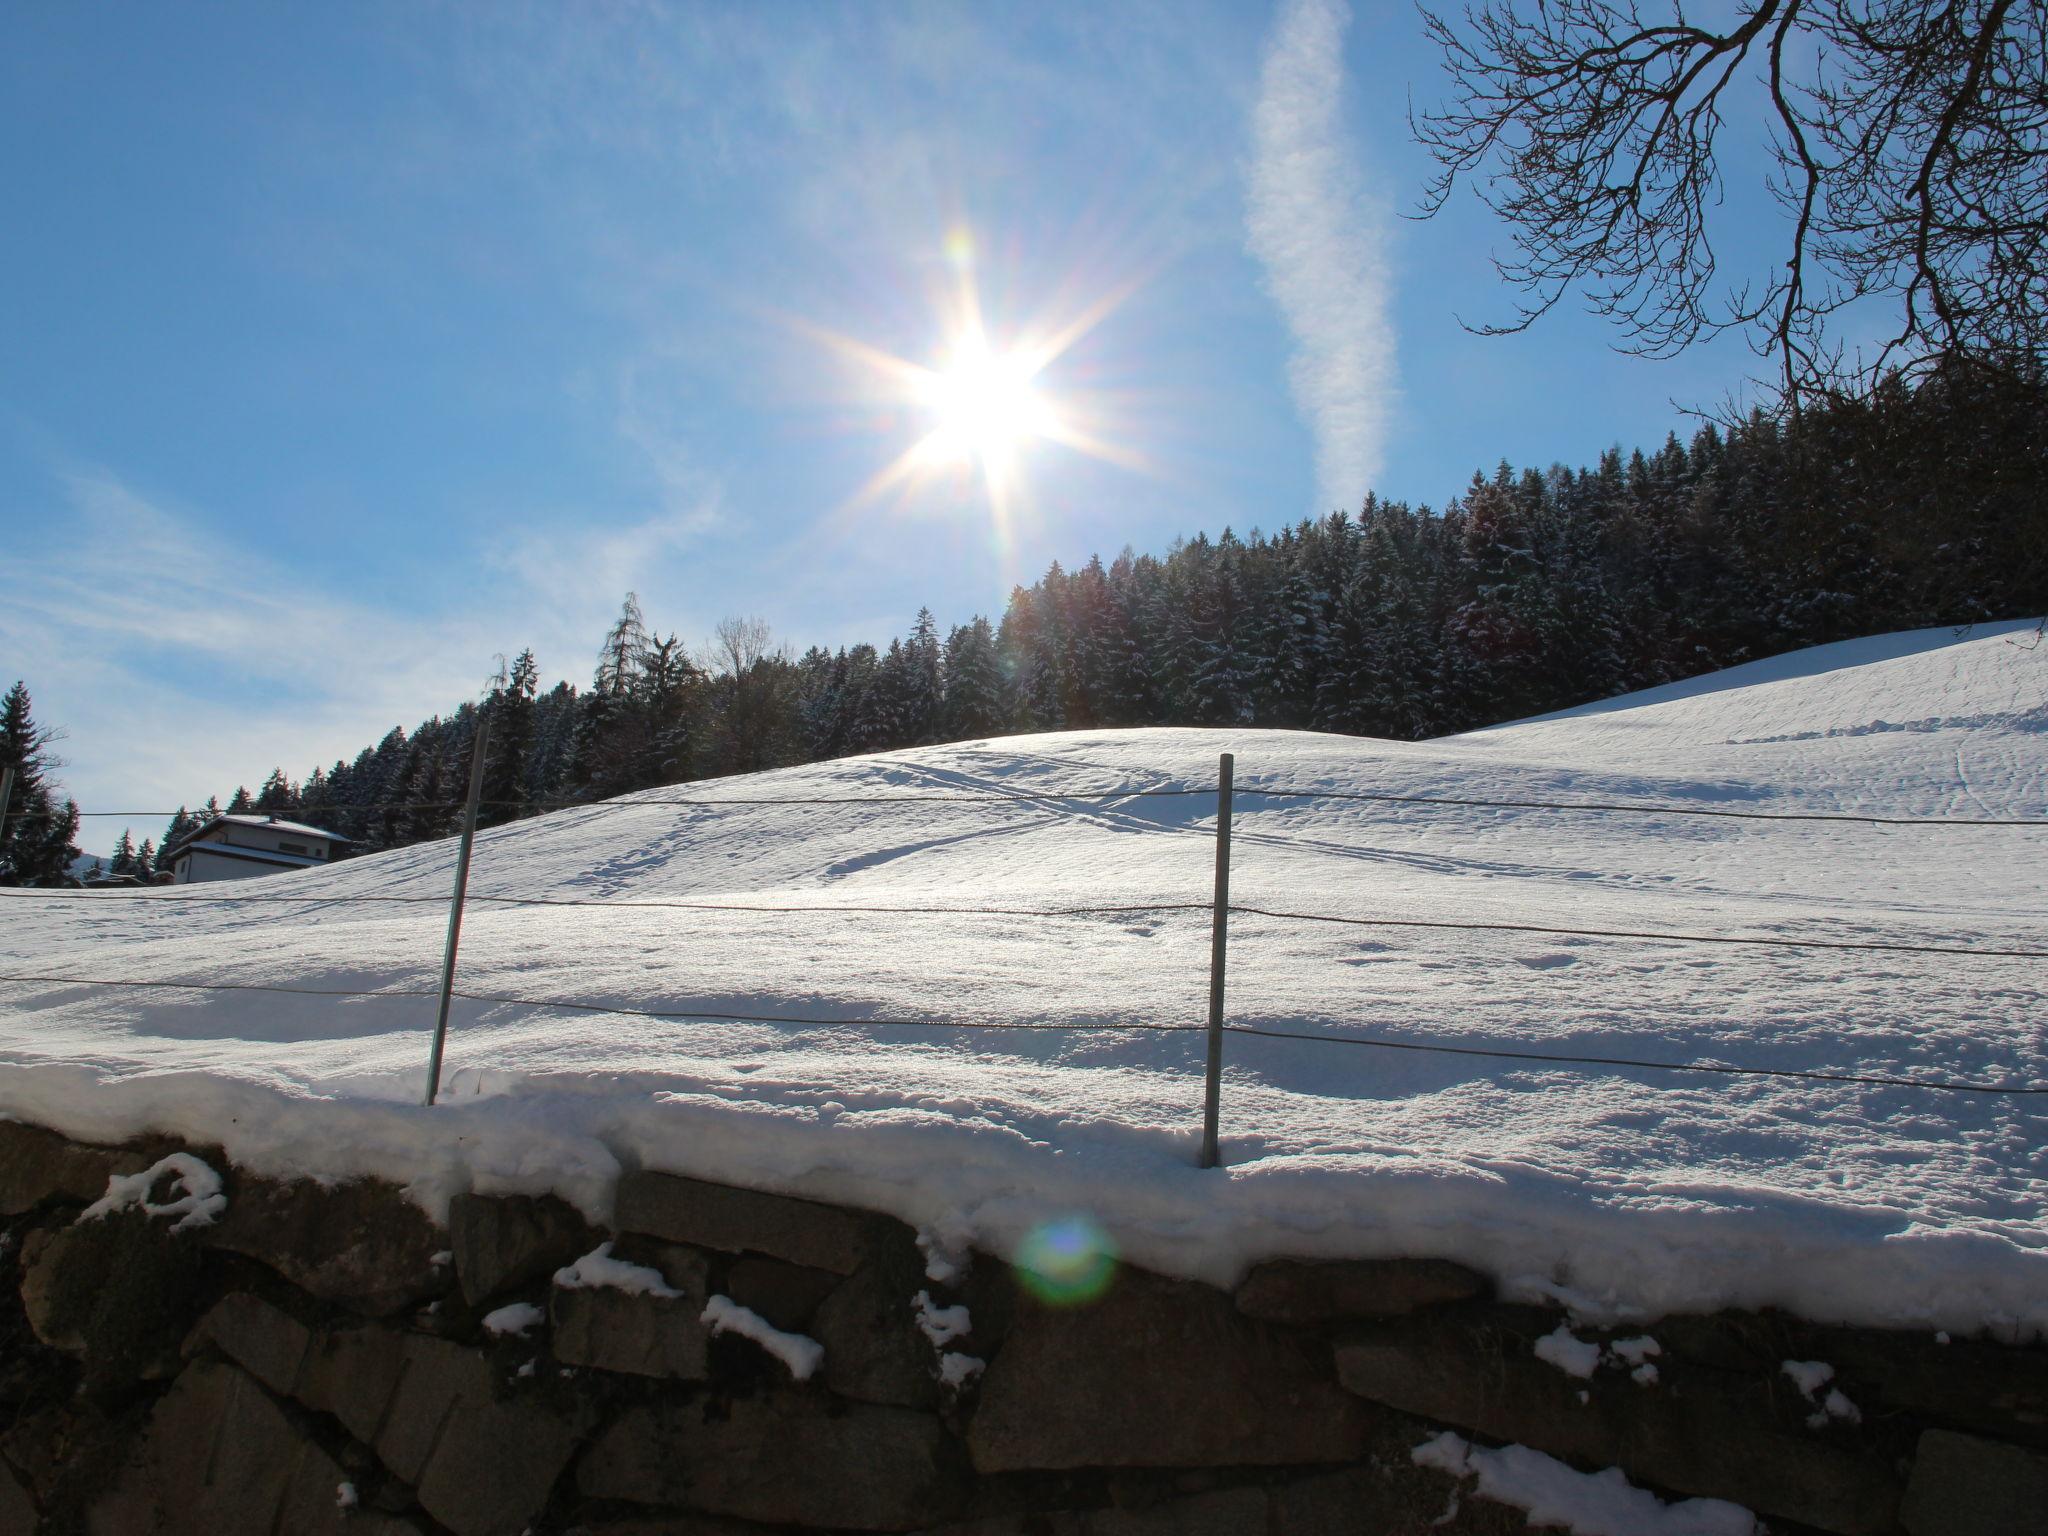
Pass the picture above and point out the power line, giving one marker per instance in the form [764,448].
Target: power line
[1626,933]
[1937,1085]
[1128,792]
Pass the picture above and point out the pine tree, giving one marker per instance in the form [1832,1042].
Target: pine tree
[181,827]
[278,796]
[510,710]
[974,704]
[923,683]
[38,839]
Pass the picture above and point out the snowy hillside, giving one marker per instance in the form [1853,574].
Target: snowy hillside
[1632,1188]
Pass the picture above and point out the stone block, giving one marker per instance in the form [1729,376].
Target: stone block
[220,1458]
[781,1459]
[613,1330]
[1698,1431]
[786,1294]
[1157,1373]
[503,1242]
[2000,1390]
[269,1344]
[17,1510]
[119,1291]
[1358,1501]
[482,1465]
[874,1351]
[361,1244]
[38,1165]
[731,1220]
[1963,1485]
[1310,1292]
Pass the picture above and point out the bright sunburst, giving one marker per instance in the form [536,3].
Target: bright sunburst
[985,405]
[985,401]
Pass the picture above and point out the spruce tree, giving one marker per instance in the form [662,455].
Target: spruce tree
[38,840]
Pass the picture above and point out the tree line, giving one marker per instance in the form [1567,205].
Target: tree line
[1919,504]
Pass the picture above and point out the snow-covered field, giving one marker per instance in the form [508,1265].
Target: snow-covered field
[1632,1190]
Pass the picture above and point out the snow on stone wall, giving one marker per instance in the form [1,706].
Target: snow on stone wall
[323,1358]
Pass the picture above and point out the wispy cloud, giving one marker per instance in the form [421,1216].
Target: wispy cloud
[1320,238]
[181,667]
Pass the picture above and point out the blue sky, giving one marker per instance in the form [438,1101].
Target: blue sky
[344,347]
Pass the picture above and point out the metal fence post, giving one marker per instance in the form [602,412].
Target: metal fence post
[1219,933]
[476,787]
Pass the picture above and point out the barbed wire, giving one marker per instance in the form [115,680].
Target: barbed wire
[698,1015]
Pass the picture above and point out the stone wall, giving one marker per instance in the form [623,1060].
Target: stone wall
[314,1359]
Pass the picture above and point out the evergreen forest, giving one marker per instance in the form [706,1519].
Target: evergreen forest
[1529,591]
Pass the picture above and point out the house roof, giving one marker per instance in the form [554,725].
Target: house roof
[274,822]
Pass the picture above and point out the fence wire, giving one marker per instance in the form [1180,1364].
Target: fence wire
[1115,1026]
[1080,798]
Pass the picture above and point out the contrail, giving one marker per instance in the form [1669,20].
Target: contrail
[1320,239]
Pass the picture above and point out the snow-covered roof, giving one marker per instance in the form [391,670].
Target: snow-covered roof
[274,823]
[1627,1189]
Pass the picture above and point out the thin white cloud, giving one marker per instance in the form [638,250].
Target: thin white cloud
[1320,237]
[180,667]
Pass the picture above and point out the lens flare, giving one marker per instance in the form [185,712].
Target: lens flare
[983,405]
[992,397]
[1066,1263]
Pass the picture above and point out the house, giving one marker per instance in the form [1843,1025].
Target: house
[236,847]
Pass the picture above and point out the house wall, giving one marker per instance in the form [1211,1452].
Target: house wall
[271,840]
[199,866]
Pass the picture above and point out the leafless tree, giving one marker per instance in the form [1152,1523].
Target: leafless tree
[1911,148]
[753,678]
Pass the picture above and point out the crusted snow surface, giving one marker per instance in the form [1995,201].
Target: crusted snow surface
[1603,1503]
[1655,1192]
[799,1352]
[198,1205]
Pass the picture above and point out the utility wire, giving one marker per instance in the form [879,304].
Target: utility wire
[1937,1085]
[1129,792]
[1626,933]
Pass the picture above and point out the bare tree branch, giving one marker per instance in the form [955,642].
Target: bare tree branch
[1912,144]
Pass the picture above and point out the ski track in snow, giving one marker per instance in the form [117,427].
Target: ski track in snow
[1662,1191]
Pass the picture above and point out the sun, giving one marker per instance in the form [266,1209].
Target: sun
[988,396]
[984,404]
